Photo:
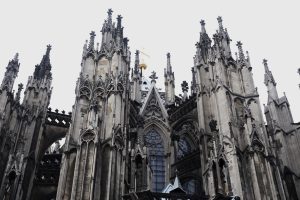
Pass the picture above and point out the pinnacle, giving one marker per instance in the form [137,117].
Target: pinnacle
[220,23]
[202,22]
[16,58]
[49,47]
[265,62]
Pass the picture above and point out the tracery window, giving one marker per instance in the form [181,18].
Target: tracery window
[154,143]
[184,148]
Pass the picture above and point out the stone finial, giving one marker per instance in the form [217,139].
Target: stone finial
[153,77]
[109,14]
[16,58]
[169,68]
[119,21]
[184,86]
[240,49]
[220,23]
[202,22]
[92,40]
[137,61]
[49,47]
[265,62]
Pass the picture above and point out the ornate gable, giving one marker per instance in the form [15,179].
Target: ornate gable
[153,106]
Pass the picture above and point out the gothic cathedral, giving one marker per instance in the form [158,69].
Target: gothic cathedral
[127,139]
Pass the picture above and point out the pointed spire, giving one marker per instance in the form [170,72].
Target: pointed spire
[48,50]
[11,73]
[265,62]
[44,68]
[169,67]
[241,52]
[119,27]
[220,23]
[203,30]
[268,74]
[119,22]
[92,41]
[137,62]
[16,58]
[109,16]
[242,59]
[204,43]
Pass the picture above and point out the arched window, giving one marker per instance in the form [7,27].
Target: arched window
[154,143]
[184,148]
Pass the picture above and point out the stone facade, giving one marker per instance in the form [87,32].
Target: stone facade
[126,139]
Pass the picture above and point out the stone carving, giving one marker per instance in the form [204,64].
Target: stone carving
[102,88]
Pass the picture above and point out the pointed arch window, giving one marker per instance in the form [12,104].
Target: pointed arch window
[155,146]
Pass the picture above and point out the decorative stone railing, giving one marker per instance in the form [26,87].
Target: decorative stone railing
[58,119]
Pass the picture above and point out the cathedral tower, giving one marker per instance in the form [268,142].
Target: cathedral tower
[284,137]
[10,75]
[93,161]
[235,145]
[24,125]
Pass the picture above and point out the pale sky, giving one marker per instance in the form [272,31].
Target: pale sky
[268,29]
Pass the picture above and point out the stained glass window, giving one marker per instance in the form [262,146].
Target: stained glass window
[184,148]
[154,143]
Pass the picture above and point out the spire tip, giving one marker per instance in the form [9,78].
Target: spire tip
[49,47]
[16,58]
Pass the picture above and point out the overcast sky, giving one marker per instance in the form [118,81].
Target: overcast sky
[268,29]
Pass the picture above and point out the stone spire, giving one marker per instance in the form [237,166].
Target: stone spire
[219,18]
[119,26]
[270,82]
[202,22]
[107,29]
[109,16]
[204,43]
[204,40]
[11,73]
[169,67]
[44,68]
[136,79]
[222,39]
[137,62]
[268,74]
[169,81]
[92,41]
[241,53]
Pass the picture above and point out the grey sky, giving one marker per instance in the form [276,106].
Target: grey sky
[268,29]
